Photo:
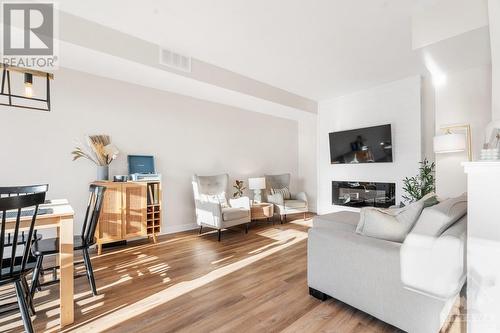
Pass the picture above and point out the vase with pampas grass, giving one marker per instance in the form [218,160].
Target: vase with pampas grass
[99,150]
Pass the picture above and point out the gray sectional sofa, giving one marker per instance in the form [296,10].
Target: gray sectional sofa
[411,285]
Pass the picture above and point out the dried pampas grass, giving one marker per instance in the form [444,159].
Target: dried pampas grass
[98,149]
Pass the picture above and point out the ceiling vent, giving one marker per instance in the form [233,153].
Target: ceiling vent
[175,60]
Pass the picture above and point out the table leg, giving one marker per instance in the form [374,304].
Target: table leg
[58,235]
[66,286]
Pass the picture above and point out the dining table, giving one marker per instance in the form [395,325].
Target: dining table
[58,215]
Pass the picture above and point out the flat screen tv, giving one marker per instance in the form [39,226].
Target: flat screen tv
[362,145]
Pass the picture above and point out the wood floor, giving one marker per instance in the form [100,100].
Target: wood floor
[191,283]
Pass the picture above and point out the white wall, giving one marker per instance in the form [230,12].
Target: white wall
[494,19]
[186,135]
[397,103]
[465,98]
[308,158]
[428,118]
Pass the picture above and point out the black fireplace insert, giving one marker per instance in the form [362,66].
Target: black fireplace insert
[362,194]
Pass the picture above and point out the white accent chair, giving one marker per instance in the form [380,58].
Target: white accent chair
[297,204]
[212,208]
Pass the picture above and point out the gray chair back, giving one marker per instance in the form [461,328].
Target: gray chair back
[212,185]
[276,181]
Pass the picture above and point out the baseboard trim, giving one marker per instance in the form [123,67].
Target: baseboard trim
[179,228]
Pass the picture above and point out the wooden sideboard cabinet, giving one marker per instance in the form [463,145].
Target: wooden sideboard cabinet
[130,209]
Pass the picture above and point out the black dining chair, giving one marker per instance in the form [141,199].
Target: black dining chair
[45,247]
[14,191]
[15,262]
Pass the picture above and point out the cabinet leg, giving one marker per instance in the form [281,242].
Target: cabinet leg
[155,238]
[99,249]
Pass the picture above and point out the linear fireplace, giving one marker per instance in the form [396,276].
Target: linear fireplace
[362,194]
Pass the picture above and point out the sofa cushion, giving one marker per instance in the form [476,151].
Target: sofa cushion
[343,220]
[229,214]
[437,219]
[390,224]
[295,204]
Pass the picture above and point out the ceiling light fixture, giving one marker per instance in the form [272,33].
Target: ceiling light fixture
[16,100]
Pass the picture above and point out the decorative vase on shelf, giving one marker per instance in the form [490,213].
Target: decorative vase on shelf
[103,172]
[98,150]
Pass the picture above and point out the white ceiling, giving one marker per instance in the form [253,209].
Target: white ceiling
[314,48]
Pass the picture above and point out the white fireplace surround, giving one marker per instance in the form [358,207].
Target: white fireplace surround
[397,103]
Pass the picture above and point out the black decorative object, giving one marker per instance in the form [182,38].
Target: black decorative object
[362,194]
[15,100]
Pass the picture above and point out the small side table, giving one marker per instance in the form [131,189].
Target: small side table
[261,211]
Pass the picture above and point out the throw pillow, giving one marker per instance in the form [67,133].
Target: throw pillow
[285,192]
[219,198]
[390,224]
[437,219]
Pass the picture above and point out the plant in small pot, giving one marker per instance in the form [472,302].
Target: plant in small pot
[240,187]
[99,150]
[417,187]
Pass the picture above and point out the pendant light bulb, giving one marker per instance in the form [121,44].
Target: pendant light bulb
[28,85]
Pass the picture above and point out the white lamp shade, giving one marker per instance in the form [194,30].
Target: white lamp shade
[257,183]
[449,143]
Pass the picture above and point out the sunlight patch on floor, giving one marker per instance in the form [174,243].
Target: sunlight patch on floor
[307,223]
[221,260]
[284,240]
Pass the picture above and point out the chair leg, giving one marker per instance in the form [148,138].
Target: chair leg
[23,307]
[90,271]
[284,218]
[281,219]
[27,294]
[35,282]
[201,228]
[246,228]
[219,232]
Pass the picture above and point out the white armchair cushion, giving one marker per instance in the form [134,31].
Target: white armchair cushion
[300,196]
[219,198]
[295,204]
[229,214]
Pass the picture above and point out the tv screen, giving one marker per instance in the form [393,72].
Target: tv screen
[362,145]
